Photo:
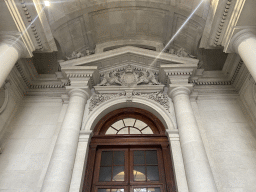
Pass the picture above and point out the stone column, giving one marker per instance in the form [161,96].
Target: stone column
[244,44]
[197,168]
[10,52]
[58,175]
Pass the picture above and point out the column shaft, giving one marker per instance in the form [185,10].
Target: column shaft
[198,171]
[58,175]
[247,51]
[9,55]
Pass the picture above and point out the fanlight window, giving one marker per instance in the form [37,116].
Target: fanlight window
[129,126]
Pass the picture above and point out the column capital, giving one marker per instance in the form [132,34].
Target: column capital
[241,36]
[184,90]
[85,94]
[15,42]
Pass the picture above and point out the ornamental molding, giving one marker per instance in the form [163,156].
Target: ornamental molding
[229,32]
[159,97]
[32,26]
[129,77]
[25,37]
[199,78]
[35,81]
[225,14]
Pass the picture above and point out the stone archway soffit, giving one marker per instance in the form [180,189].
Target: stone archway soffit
[167,117]
[105,6]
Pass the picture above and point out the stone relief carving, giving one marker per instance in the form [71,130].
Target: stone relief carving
[98,99]
[128,77]
[159,97]
[76,54]
[181,52]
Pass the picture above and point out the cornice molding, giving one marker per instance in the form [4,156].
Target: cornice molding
[221,26]
[32,26]
[33,82]
[173,72]
[21,27]
[228,33]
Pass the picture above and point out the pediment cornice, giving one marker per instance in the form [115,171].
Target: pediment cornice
[129,54]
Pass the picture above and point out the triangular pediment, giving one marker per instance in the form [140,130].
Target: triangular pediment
[128,55]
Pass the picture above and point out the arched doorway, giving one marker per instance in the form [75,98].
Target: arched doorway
[129,151]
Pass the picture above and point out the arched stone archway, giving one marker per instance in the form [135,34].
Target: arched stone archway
[167,118]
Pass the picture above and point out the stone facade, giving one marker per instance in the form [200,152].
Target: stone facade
[120,57]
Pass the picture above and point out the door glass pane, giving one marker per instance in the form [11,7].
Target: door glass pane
[129,122]
[139,124]
[103,190]
[106,158]
[118,173]
[147,131]
[140,190]
[156,189]
[139,158]
[110,190]
[118,125]
[139,173]
[117,190]
[111,131]
[119,158]
[134,131]
[123,131]
[152,173]
[151,157]
[105,174]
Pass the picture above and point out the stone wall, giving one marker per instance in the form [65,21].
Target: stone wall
[28,143]
[230,142]
[16,90]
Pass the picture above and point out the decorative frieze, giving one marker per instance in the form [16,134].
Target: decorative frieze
[159,97]
[128,77]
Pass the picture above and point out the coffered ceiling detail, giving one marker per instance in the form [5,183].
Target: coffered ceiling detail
[81,24]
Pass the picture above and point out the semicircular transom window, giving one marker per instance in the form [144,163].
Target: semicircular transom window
[129,126]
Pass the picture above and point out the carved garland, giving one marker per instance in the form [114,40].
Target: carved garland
[159,97]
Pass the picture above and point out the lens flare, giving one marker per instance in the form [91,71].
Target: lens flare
[177,32]
[47,3]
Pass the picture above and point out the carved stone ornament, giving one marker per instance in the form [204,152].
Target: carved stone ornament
[159,97]
[76,54]
[181,52]
[128,77]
